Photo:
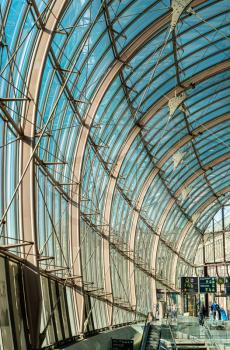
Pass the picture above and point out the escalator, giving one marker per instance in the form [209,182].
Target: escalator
[170,340]
[151,336]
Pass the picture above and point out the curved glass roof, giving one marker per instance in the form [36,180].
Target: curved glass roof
[114,138]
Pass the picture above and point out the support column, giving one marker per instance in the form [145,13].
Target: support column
[26,191]
[205,275]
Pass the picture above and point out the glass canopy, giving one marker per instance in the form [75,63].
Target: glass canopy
[114,141]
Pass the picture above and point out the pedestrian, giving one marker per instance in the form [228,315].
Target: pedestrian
[218,311]
[214,309]
[168,311]
[223,314]
[174,311]
[157,312]
[201,314]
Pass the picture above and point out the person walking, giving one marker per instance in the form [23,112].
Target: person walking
[214,309]
[174,311]
[168,312]
[223,314]
[218,311]
[201,315]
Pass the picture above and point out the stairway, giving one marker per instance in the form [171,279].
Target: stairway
[153,338]
[190,344]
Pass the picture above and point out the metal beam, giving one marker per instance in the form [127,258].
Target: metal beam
[10,120]
[26,193]
[27,199]
[37,13]
[183,109]
[131,274]
[14,99]
[214,264]
[16,245]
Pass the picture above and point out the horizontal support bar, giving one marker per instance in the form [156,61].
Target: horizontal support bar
[12,99]
[57,270]
[45,258]
[16,245]
[54,163]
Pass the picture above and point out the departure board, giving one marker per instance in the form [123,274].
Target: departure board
[189,285]
[227,285]
[207,284]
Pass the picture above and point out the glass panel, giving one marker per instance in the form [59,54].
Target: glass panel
[64,311]
[227,245]
[5,325]
[16,304]
[55,307]
[71,311]
[227,218]
[50,335]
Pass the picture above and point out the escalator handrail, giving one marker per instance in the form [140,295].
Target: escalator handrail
[211,337]
[145,335]
[173,339]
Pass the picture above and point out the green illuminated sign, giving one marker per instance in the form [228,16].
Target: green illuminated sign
[189,285]
[207,284]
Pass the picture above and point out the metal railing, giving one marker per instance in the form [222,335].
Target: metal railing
[186,328]
[151,326]
[167,338]
[214,336]
[173,341]
[210,338]
[145,335]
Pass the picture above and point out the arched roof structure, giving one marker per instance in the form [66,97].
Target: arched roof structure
[114,139]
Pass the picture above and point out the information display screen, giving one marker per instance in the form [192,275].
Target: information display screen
[227,285]
[189,285]
[122,344]
[207,284]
